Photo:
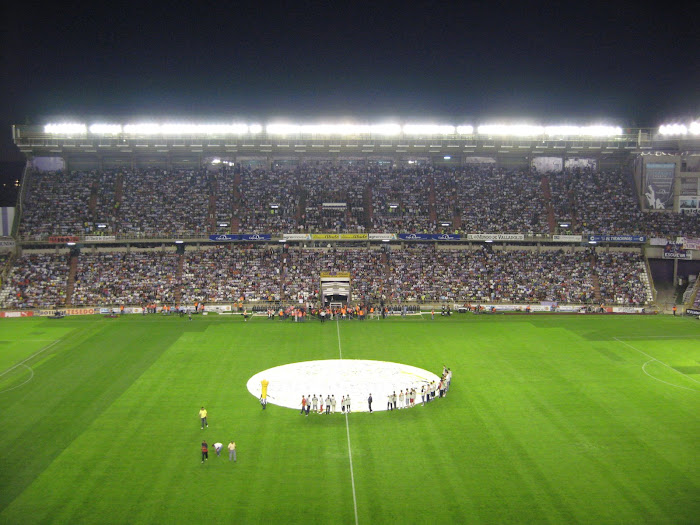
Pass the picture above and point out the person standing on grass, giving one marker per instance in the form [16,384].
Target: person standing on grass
[369,402]
[422,393]
[328,405]
[218,447]
[205,451]
[232,451]
[400,399]
[263,393]
[314,403]
[308,404]
[303,404]
[203,417]
[347,404]
[333,404]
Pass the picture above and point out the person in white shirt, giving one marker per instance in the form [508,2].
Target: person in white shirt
[218,447]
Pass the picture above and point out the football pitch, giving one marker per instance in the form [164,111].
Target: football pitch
[549,419]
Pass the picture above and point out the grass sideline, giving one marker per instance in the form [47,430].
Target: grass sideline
[576,419]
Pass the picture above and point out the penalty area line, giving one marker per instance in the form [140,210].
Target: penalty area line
[347,431]
[652,358]
[31,357]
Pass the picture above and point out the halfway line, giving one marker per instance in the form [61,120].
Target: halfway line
[347,430]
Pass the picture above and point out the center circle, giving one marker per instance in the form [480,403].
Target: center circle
[337,378]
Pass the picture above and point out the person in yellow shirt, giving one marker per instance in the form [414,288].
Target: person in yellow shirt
[263,394]
[232,451]
[203,417]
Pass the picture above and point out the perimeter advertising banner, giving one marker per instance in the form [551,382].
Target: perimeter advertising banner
[496,237]
[658,185]
[7,245]
[62,239]
[382,236]
[415,236]
[225,237]
[690,243]
[296,237]
[94,238]
[567,238]
[446,237]
[676,251]
[256,237]
[618,238]
[339,236]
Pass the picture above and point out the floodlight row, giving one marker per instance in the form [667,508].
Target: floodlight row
[680,129]
[385,129]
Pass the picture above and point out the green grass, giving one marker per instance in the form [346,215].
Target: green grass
[556,419]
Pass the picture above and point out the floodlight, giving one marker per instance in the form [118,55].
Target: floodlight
[70,243]
[222,224]
[447,157]
[65,128]
[564,224]
[428,129]
[514,130]
[101,225]
[283,129]
[385,240]
[142,129]
[673,129]
[106,129]
[488,240]
[592,242]
[385,129]
[465,130]
[179,242]
[254,129]
[393,206]
[694,128]
[444,224]
[274,206]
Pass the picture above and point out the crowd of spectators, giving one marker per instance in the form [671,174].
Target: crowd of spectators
[56,203]
[302,269]
[485,275]
[135,278]
[417,273]
[414,199]
[623,279]
[269,201]
[490,199]
[36,281]
[164,202]
[227,274]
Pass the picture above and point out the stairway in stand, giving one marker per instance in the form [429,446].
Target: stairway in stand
[431,201]
[178,278]
[596,281]
[547,192]
[73,270]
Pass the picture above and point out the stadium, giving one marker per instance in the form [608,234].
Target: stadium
[153,268]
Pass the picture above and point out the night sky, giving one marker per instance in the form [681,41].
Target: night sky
[448,61]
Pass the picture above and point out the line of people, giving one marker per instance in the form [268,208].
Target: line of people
[320,406]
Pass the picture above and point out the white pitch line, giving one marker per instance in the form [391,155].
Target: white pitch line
[23,383]
[644,369]
[30,357]
[657,360]
[347,430]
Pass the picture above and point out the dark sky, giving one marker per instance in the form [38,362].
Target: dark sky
[462,62]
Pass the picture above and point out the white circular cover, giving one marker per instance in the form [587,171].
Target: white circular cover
[340,377]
